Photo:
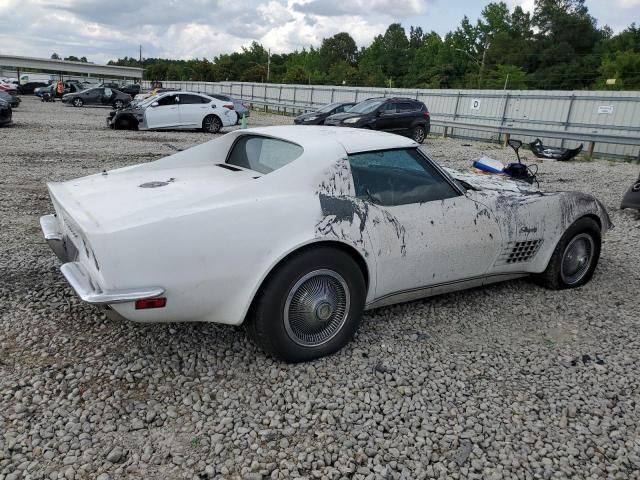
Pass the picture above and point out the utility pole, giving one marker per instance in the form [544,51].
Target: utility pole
[140,53]
[268,64]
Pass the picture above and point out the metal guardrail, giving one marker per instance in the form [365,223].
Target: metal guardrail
[592,138]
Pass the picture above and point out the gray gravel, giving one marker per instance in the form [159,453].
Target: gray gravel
[510,381]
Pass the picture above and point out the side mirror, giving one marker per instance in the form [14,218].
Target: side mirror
[155,104]
[379,113]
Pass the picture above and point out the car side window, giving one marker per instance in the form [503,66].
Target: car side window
[406,107]
[190,99]
[107,92]
[398,177]
[168,100]
[262,154]
[389,108]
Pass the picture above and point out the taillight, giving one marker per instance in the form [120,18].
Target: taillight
[230,107]
[426,114]
[159,302]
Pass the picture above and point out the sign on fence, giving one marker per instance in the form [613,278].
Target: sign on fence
[606,109]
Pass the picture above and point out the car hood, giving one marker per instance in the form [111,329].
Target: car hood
[306,116]
[133,196]
[494,182]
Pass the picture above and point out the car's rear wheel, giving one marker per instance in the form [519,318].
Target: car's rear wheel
[575,257]
[310,306]
[211,124]
[118,104]
[418,134]
[78,102]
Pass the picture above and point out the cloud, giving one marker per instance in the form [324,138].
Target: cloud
[332,8]
[186,29]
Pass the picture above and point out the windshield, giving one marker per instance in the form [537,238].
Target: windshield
[328,108]
[367,106]
[147,101]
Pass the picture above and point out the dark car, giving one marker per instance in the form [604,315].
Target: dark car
[29,87]
[319,116]
[5,113]
[133,89]
[12,100]
[97,96]
[404,116]
[73,87]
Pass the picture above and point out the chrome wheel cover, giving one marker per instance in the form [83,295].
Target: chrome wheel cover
[419,135]
[577,259]
[316,308]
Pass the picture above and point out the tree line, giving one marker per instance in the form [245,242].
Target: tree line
[558,47]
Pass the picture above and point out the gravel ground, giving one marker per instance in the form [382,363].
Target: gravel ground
[510,381]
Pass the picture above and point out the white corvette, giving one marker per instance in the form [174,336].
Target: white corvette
[295,230]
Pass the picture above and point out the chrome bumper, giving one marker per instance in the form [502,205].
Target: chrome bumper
[54,236]
[78,276]
[90,292]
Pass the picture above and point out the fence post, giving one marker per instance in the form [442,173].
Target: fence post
[333,91]
[311,97]
[241,90]
[455,112]
[590,149]
[566,121]
[295,91]
[504,114]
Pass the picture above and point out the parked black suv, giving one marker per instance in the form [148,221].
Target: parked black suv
[404,116]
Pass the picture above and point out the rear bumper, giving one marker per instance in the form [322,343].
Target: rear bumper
[54,237]
[90,292]
[78,276]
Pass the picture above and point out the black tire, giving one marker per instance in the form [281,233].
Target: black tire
[418,134]
[211,124]
[123,124]
[584,232]
[77,102]
[300,333]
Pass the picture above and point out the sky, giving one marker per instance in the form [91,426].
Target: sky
[104,30]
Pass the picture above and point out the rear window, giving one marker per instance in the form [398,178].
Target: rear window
[263,154]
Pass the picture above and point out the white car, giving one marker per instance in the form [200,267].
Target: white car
[175,110]
[294,230]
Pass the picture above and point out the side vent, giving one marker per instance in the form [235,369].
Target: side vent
[519,252]
[229,167]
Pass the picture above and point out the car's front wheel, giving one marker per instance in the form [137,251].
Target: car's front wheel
[118,104]
[78,102]
[575,257]
[211,124]
[310,307]
[418,134]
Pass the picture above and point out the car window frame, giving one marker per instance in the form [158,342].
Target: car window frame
[269,137]
[438,169]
